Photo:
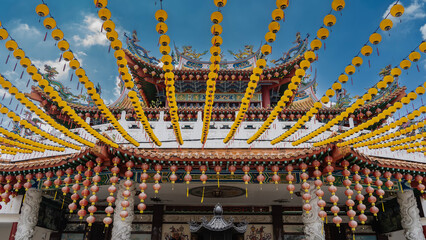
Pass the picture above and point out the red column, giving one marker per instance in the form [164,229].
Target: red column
[266,98]
[13,231]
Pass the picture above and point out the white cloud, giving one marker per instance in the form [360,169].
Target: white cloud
[92,36]
[415,10]
[4,93]
[62,75]
[23,30]
[423,31]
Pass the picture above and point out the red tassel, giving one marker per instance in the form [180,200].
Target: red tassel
[369,65]
[63,70]
[28,82]
[109,49]
[352,81]
[377,48]
[78,85]
[325,47]
[418,70]
[71,77]
[45,36]
[60,58]
[16,64]
[7,59]
[22,74]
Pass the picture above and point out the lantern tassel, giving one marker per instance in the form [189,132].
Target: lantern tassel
[383,207]
[22,74]
[187,192]
[7,59]
[218,185]
[369,65]
[109,49]
[325,47]
[28,82]
[23,200]
[71,77]
[246,193]
[16,64]
[45,36]
[418,69]
[378,53]
[65,65]
[402,189]
[202,197]
[60,58]
[353,236]
[56,193]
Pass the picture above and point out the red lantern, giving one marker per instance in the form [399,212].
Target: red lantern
[290,179]
[275,178]
[217,169]
[187,178]
[260,177]
[232,169]
[420,186]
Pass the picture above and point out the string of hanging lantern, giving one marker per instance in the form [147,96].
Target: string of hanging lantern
[387,80]
[266,49]
[358,141]
[316,44]
[20,145]
[42,10]
[216,29]
[376,120]
[105,15]
[12,115]
[16,137]
[357,61]
[7,85]
[44,84]
[166,59]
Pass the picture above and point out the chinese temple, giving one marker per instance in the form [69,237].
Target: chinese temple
[199,147]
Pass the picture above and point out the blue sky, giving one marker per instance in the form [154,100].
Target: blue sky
[245,22]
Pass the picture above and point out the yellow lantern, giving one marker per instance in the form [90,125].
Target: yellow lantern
[405,100]
[336,86]
[372,91]
[216,17]
[386,24]
[109,25]
[31,70]
[396,72]
[338,5]
[119,54]
[397,10]
[25,62]
[283,4]
[112,36]
[357,61]
[57,34]
[68,56]
[19,53]
[310,56]
[277,14]
[316,44]
[350,69]
[161,15]
[11,45]
[330,93]
[366,50]
[100,3]
[216,29]
[42,10]
[104,14]
[270,37]
[323,33]
[161,28]
[83,79]
[405,64]
[220,3]
[80,72]
[266,49]
[304,64]
[412,96]
[74,64]
[420,90]
[3,34]
[422,47]
[414,56]
[375,38]
[63,45]
[217,41]
[274,27]
[388,79]
[329,20]
[343,78]
[300,73]
[116,44]
[49,23]
[325,99]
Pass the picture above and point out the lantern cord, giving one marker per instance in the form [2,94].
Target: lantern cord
[202,197]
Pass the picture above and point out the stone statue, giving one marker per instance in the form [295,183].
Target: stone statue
[122,228]
[29,215]
[410,217]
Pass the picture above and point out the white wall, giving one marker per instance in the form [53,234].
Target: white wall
[5,230]
[397,235]
[41,234]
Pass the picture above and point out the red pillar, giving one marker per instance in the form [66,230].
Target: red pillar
[266,97]
[13,231]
